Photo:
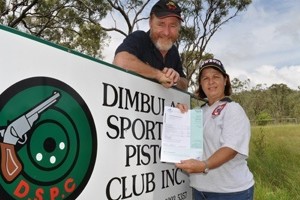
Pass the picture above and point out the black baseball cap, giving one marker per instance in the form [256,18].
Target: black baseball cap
[215,63]
[166,8]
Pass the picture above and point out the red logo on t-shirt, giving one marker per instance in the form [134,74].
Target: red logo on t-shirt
[217,111]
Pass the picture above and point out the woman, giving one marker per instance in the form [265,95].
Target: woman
[223,172]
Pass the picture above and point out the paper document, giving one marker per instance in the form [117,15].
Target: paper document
[182,135]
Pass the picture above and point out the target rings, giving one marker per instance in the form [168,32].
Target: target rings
[51,131]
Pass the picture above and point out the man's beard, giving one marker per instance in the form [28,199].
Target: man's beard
[163,45]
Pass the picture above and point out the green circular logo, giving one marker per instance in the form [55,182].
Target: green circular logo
[48,141]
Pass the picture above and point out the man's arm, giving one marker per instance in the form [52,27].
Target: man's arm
[132,63]
[182,83]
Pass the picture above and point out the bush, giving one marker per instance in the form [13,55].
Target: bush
[263,118]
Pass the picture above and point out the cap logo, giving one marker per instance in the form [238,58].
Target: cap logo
[213,61]
[171,5]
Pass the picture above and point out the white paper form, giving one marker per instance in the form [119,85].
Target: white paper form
[182,135]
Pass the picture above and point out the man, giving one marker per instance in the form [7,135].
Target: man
[152,54]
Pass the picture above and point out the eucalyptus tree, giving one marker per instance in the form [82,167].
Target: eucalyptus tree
[279,93]
[73,24]
[294,105]
[202,19]
[128,13]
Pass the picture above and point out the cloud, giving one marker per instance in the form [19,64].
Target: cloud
[262,43]
[269,75]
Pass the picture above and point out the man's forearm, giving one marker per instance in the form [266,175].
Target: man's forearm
[182,84]
[132,63]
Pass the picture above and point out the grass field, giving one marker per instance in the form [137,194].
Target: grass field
[275,162]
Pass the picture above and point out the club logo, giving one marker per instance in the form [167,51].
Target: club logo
[217,111]
[48,141]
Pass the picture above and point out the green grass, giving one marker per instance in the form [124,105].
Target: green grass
[275,162]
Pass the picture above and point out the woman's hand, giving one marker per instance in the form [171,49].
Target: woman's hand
[182,107]
[191,166]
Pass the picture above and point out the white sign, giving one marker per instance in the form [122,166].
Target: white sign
[73,127]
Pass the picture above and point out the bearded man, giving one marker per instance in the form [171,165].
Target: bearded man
[152,54]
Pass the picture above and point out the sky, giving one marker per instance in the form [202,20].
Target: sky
[261,44]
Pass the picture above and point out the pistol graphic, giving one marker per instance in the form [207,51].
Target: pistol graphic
[15,133]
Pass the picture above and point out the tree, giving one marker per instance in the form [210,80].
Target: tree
[294,106]
[202,19]
[279,94]
[73,24]
[239,86]
[275,102]
[132,12]
[258,101]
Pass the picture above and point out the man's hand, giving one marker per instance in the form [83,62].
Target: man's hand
[176,80]
[172,75]
[165,81]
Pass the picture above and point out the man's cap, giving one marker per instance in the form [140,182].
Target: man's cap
[166,8]
[215,63]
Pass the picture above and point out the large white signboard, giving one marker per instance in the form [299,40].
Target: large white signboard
[73,127]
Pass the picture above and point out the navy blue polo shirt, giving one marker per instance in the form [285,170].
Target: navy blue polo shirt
[139,44]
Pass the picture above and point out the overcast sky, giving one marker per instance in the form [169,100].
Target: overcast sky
[262,43]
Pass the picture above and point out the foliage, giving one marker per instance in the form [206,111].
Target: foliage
[275,102]
[132,12]
[73,24]
[196,102]
[259,143]
[263,118]
[279,94]
[2,6]
[239,86]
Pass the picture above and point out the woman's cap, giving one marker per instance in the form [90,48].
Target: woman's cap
[165,8]
[213,63]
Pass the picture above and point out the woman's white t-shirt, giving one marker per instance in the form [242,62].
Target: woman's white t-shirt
[225,125]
